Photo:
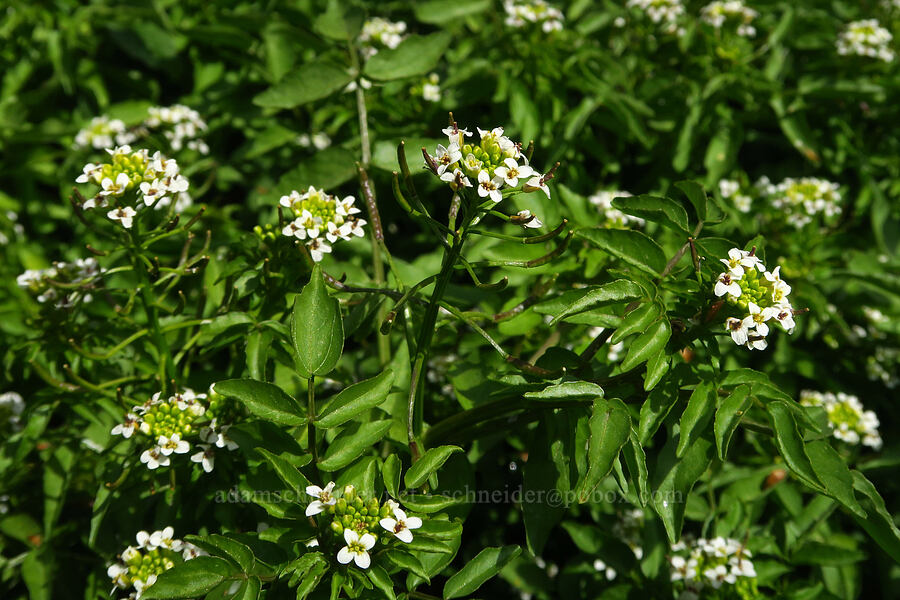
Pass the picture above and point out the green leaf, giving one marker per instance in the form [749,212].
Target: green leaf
[567,389]
[326,169]
[440,530]
[265,400]
[832,471]
[696,416]
[439,12]
[430,462]
[676,479]
[615,292]
[340,21]
[57,469]
[352,442]
[407,562]
[258,342]
[227,548]
[879,523]
[654,208]
[416,55]
[38,569]
[429,503]
[380,578]
[647,344]
[317,330]
[192,578]
[696,195]
[312,576]
[636,460]
[656,407]
[390,473]
[636,320]
[309,82]
[610,427]
[632,247]
[356,399]
[790,444]
[657,366]
[729,415]
[488,563]
[287,472]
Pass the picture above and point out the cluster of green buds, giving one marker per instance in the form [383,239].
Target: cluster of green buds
[848,420]
[360,522]
[172,424]
[64,284]
[753,296]
[155,553]
[133,178]
[320,219]
[716,568]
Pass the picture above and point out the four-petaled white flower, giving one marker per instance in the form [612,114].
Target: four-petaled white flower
[537,183]
[785,317]
[318,249]
[357,549]
[446,157]
[489,188]
[206,457]
[154,458]
[322,497]
[455,179]
[114,188]
[143,540]
[738,260]
[719,575]
[738,330]
[125,215]
[758,317]
[153,192]
[127,428]
[168,445]
[401,525]
[529,220]
[727,285]
[165,539]
[511,172]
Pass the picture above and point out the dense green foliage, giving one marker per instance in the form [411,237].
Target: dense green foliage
[264,347]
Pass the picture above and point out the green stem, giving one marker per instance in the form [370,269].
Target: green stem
[426,334]
[311,417]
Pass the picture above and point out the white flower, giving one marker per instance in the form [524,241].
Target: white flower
[456,178]
[153,192]
[154,458]
[401,525]
[738,330]
[738,260]
[758,317]
[88,173]
[489,188]
[785,318]
[357,549]
[318,249]
[528,220]
[168,445]
[602,567]
[164,539]
[143,540]
[127,428]
[444,157]
[114,188]
[125,215]
[719,575]
[511,172]
[322,497]
[206,457]
[191,551]
[726,284]
[537,183]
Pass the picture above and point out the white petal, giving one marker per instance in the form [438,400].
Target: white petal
[413,522]
[344,556]
[367,540]
[363,560]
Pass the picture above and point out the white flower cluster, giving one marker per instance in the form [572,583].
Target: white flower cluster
[67,276]
[11,407]
[318,140]
[718,12]
[756,296]
[320,219]
[154,179]
[139,566]
[613,216]
[713,563]
[181,126]
[378,33]
[496,162]
[103,132]
[866,38]
[800,200]
[169,421]
[354,516]
[661,12]
[429,88]
[731,189]
[846,417]
[519,13]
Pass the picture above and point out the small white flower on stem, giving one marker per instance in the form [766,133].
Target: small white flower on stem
[154,458]
[738,260]
[785,318]
[153,192]
[357,549]
[401,525]
[173,444]
[124,215]
[165,539]
[206,457]
[738,330]
[528,220]
[758,317]
[757,342]
[444,157]
[88,173]
[143,540]
[127,428]
[322,497]
[511,172]
[489,188]
[114,188]
[295,228]
[537,183]
[345,207]
[318,249]
[726,284]
[456,179]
